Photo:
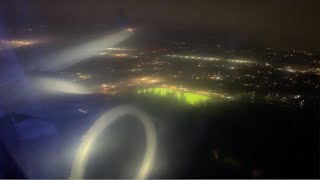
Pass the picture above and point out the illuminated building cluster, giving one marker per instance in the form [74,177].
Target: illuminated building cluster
[114,88]
[119,52]
[120,55]
[251,75]
[146,85]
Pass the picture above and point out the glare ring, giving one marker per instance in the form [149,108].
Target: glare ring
[104,122]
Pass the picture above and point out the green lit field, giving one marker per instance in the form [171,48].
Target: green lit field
[187,97]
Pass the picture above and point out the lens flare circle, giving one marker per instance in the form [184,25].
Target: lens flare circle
[103,123]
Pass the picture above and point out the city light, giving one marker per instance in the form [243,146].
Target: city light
[240,61]
[194,57]
[119,49]
[210,59]
[17,43]
[84,76]
[114,88]
[159,89]
[120,55]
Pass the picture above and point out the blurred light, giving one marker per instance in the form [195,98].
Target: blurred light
[107,119]
[83,111]
[55,85]
[74,55]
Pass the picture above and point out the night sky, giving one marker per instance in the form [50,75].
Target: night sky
[294,22]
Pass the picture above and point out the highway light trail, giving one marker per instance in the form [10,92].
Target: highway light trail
[74,55]
[209,58]
[101,124]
